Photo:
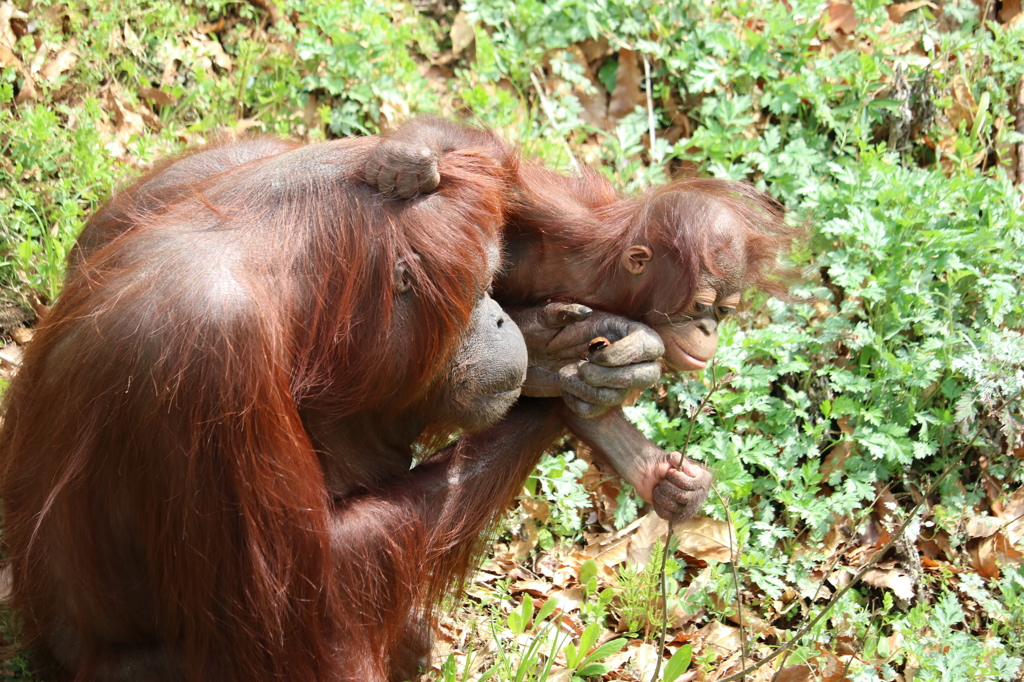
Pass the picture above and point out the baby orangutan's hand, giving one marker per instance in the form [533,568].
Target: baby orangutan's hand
[682,489]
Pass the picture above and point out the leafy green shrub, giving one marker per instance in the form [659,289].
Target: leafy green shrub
[358,55]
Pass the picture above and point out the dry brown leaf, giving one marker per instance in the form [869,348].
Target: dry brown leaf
[612,555]
[982,526]
[7,37]
[127,121]
[270,7]
[765,673]
[7,58]
[170,56]
[132,41]
[993,489]
[751,621]
[155,95]
[567,573]
[1014,533]
[983,558]
[680,616]
[898,12]
[546,565]
[963,106]
[28,90]
[723,639]
[210,50]
[22,335]
[838,533]
[65,59]
[595,541]
[10,356]
[596,49]
[823,668]
[840,577]
[38,60]
[729,665]
[893,579]
[797,673]
[568,600]
[482,577]
[1013,506]
[885,506]
[679,124]
[462,34]
[219,56]
[840,18]
[560,675]
[651,531]
[394,110]
[700,583]
[535,588]
[536,508]
[939,545]
[644,658]
[840,452]
[706,539]
[215,27]
[593,100]
[627,94]
[1010,11]
[525,540]
[604,487]
[988,554]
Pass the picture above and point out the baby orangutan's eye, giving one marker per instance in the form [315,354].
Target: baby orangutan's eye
[701,309]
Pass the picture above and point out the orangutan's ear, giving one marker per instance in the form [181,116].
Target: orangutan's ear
[401,276]
[635,258]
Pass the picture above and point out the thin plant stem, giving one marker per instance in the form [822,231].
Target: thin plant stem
[668,533]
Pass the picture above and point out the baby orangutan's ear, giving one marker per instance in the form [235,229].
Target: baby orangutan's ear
[635,258]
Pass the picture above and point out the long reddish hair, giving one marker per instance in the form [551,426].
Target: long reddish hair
[159,486]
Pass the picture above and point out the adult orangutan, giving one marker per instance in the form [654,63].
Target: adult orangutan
[676,258]
[205,458]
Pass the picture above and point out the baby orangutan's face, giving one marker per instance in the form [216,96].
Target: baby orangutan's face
[691,336]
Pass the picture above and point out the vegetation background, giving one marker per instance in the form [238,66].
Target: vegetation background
[896,131]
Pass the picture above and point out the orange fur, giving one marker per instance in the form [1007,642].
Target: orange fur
[161,490]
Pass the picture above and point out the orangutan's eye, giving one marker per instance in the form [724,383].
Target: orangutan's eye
[701,309]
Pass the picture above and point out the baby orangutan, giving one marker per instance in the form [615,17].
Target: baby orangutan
[676,258]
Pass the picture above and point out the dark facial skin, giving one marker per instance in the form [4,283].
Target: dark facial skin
[483,381]
[488,369]
[691,337]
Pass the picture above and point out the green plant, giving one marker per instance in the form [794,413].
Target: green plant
[638,601]
[557,481]
[531,664]
[16,666]
[594,607]
[356,54]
